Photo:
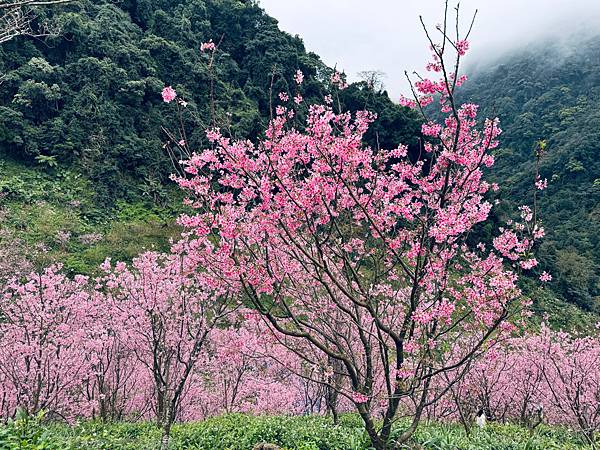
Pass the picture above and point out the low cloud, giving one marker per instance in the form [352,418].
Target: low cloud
[386,35]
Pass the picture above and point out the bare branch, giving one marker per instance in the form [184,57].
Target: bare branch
[19,18]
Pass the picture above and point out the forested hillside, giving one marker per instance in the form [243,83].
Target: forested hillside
[551,92]
[90,98]
[85,172]
[81,115]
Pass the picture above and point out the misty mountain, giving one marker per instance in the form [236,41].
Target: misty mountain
[551,92]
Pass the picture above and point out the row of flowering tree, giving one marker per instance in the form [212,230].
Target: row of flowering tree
[547,377]
[154,340]
[139,344]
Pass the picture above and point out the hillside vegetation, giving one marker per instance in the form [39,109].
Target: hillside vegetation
[240,432]
[551,92]
[81,117]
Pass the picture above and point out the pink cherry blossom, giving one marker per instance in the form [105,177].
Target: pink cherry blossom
[208,46]
[541,184]
[545,277]
[361,261]
[298,77]
[409,103]
[337,80]
[462,47]
[168,94]
[359,398]
[529,263]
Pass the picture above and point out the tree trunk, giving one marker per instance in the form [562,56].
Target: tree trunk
[332,397]
[590,436]
[166,434]
[376,441]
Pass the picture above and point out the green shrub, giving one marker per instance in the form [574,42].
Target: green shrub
[242,432]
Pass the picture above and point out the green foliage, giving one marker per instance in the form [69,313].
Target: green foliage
[551,92]
[55,214]
[496,437]
[90,98]
[26,433]
[240,432]
[81,116]
[556,312]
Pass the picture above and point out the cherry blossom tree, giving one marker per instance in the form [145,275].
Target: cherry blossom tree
[42,343]
[570,367]
[361,256]
[503,383]
[549,376]
[116,385]
[245,370]
[168,310]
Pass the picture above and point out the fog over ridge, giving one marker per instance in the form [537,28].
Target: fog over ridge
[386,35]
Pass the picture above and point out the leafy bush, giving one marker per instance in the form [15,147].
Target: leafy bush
[55,215]
[241,432]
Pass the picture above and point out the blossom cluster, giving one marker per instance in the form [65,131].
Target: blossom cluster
[552,377]
[86,348]
[209,46]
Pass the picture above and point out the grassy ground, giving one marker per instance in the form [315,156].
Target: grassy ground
[238,432]
[52,215]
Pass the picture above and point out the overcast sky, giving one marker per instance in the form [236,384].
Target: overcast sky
[385,35]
